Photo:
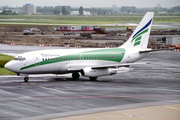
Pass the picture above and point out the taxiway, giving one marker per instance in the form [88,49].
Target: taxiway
[48,97]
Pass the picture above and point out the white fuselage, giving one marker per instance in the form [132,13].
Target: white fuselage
[34,62]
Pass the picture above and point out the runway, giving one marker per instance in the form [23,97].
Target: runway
[48,97]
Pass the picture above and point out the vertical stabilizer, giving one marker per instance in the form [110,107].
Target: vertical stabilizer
[140,36]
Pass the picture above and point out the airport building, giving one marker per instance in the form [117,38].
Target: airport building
[74,28]
[29,9]
[77,13]
[173,40]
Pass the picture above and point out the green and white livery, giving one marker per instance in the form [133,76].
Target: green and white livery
[92,62]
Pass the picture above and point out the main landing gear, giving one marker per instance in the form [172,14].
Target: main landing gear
[93,78]
[75,76]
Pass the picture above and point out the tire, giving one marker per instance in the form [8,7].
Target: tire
[75,76]
[26,79]
[93,78]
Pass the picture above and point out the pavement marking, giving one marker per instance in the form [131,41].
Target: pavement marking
[24,83]
[128,96]
[53,89]
[32,83]
[75,92]
[55,97]
[71,97]
[28,83]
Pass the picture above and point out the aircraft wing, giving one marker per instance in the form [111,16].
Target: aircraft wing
[78,68]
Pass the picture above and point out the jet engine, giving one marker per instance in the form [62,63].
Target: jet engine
[89,72]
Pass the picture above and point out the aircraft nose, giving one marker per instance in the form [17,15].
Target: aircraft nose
[11,66]
[7,65]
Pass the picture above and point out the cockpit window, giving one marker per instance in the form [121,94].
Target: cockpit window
[20,58]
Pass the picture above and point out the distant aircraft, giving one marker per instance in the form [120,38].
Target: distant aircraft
[92,62]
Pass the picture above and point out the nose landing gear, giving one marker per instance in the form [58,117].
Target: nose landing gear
[26,78]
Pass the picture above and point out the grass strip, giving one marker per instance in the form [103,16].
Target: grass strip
[3,60]
[4,71]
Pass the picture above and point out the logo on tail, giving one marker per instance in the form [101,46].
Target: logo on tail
[138,35]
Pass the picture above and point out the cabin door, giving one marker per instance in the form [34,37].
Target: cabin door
[81,58]
[37,62]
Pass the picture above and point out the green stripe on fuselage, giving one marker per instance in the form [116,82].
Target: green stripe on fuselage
[110,54]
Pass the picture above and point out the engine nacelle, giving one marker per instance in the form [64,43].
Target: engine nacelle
[89,72]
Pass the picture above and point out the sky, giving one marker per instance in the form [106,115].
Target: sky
[92,3]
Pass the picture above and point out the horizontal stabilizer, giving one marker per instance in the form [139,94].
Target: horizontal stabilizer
[146,51]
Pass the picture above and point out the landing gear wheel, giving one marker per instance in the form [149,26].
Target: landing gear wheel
[26,79]
[75,76]
[93,78]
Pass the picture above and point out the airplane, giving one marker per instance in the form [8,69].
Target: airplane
[90,62]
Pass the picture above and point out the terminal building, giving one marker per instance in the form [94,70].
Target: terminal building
[29,9]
